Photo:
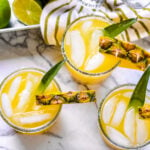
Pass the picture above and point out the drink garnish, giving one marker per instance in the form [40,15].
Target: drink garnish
[126,50]
[67,97]
[144,111]
[138,97]
[49,76]
[116,28]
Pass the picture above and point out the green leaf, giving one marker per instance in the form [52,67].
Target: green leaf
[139,93]
[49,76]
[115,29]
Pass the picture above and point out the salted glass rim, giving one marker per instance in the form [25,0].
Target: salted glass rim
[67,59]
[100,117]
[21,129]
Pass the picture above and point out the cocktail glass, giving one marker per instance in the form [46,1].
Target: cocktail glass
[122,127]
[80,49]
[18,103]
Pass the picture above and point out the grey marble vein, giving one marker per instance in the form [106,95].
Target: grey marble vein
[49,133]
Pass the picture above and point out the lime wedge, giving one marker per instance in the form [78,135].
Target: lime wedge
[27,11]
[4,13]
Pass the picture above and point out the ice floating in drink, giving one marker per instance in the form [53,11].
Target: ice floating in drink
[122,126]
[14,87]
[31,117]
[77,48]
[94,62]
[25,94]
[18,102]
[6,105]
[81,48]
[86,26]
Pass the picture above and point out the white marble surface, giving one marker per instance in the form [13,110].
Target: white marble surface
[77,126]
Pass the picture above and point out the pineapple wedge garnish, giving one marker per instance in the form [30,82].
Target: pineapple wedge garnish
[66,98]
[125,50]
[144,111]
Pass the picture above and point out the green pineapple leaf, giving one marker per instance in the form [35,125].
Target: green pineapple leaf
[49,76]
[138,97]
[115,29]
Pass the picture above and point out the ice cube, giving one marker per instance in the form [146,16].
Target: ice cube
[94,42]
[37,107]
[117,136]
[127,94]
[94,62]
[14,87]
[33,78]
[6,105]
[78,48]
[119,113]
[108,109]
[141,130]
[86,26]
[25,94]
[34,118]
[129,124]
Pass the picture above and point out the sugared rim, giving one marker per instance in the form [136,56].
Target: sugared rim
[64,53]
[99,119]
[29,130]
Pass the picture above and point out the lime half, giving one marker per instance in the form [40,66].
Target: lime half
[27,11]
[5,13]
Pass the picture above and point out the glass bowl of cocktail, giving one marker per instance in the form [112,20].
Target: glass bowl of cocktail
[31,100]
[124,115]
[80,48]
[17,102]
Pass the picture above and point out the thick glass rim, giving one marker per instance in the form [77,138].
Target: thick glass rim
[99,119]
[28,130]
[69,62]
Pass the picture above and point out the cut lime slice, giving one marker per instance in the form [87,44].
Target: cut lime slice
[4,13]
[27,11]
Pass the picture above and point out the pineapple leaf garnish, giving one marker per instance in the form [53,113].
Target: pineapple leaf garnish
[115,29]
[66,98]
[49,76]
[138,97]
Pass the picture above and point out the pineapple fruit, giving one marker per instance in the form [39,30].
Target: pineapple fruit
[66,98]
[125,50]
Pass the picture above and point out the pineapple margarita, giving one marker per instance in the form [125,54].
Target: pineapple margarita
[124,127]
[18,102]
[80,48]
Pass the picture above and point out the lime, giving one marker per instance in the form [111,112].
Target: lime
[4,13]
[27,11]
